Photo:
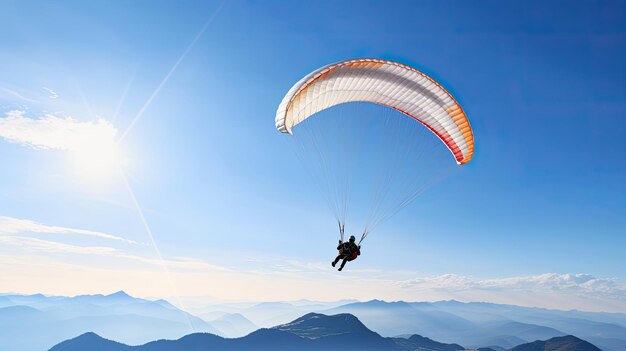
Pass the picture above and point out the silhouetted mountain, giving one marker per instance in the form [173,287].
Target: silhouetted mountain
[310,332]
[91,341]
[314,325]
[330,332]
[563,343]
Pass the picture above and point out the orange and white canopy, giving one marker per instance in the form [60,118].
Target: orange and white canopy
[382,82]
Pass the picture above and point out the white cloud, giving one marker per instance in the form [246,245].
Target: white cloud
[552,282]
[445,281]
[33,244]
[56,133]
[72,269]
[52,94]
[6,93]
[549,283]
[10,225]
[53,247]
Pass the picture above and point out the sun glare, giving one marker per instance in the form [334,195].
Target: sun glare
[97,156]
[97,160]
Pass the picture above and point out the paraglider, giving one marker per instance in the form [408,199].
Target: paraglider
[348,251]
[391,84]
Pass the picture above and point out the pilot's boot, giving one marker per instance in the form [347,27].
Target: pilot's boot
[343,263]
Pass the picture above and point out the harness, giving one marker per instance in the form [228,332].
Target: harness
[354,254]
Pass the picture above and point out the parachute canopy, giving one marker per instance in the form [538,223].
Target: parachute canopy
[382,82]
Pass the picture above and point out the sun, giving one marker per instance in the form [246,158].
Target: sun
[98,160]
[96,155]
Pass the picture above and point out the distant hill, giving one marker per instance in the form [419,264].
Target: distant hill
[474,324]
[395,318]
[311,332]
[479,324]
[417,342]
[91,341]
[233,325]
[265,314]
[135,321]
[563,343]
[607,344]
[117,316]
[268,314]
[522,330]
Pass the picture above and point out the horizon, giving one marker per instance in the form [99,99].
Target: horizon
[140,153]
[506,326]
[213,303]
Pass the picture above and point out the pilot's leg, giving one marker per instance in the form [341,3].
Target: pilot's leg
[336,260]
[343,263]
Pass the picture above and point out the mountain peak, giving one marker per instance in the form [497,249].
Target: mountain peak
[560,343]
[377,303]
[90,341]
[90,335]
[316,325]
[119,294]
[427,343]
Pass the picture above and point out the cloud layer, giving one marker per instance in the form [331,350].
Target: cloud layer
[55,133]
[73,269]
[12,226]
[546,283]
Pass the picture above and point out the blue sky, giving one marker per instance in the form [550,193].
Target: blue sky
[544,87]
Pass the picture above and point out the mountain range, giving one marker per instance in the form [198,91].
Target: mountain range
[475,324]
[478,324]
[342,332]
[135,321]
[119,316]
[307,333]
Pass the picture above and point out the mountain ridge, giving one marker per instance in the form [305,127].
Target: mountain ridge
[310,332]
[118,316]
[562,343]
[500,326]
